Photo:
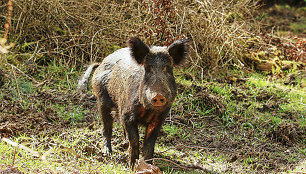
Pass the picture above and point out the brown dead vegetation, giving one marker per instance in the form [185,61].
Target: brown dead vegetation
[76,32]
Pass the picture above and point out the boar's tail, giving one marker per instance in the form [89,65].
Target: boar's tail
[83,82]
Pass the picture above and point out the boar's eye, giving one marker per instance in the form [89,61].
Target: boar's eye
[149,69]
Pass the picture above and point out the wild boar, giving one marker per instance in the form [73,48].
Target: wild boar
[138,82]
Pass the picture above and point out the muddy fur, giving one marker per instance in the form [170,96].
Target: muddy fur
[128,80]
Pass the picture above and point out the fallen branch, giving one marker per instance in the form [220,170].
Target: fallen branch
[27,76]
[186,167]
[44,156]
[76,154]
[179,166]
[34,153]
[189,147]
[195,147]
[48,79]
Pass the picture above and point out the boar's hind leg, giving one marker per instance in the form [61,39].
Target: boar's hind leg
[131,129]
[107,119]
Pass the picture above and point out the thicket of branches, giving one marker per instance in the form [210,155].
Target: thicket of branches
[76,32]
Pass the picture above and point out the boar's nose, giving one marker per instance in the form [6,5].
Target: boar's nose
[158,100]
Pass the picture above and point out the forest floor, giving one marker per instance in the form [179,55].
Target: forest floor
[255,125]
[237,122]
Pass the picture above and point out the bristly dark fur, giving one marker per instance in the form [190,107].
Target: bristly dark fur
[138,49]
[179,50]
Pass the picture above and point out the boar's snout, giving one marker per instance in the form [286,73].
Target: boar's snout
[158,100]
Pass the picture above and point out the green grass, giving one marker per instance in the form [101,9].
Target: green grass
[253,96]
[74,113]
[299,27]
[171,130]
[58,158]
[244,112]
[213,163]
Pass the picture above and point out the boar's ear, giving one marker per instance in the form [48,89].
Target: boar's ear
[178,50]
[138,49]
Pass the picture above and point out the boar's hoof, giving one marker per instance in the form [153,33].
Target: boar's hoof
[159,100]
[107,150]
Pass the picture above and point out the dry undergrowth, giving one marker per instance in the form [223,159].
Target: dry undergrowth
[76,32]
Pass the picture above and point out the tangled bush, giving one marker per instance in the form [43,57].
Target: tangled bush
[219,31]
[76,32]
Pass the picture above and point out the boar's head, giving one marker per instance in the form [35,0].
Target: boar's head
[158,88]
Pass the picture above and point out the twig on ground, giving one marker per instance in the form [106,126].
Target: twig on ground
[44,156]
[48,79]
[76,154]
[34,153]
[95,169]
[190,147]
[182,167]
[186,167]
[195,147]
[27,76]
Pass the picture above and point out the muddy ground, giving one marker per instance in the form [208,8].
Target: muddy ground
[39,119]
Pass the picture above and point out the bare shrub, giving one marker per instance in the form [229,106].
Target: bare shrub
[75,32]
[219,31]
[72,31]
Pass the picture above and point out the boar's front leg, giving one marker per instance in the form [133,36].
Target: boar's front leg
[131,128]
[151,135]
